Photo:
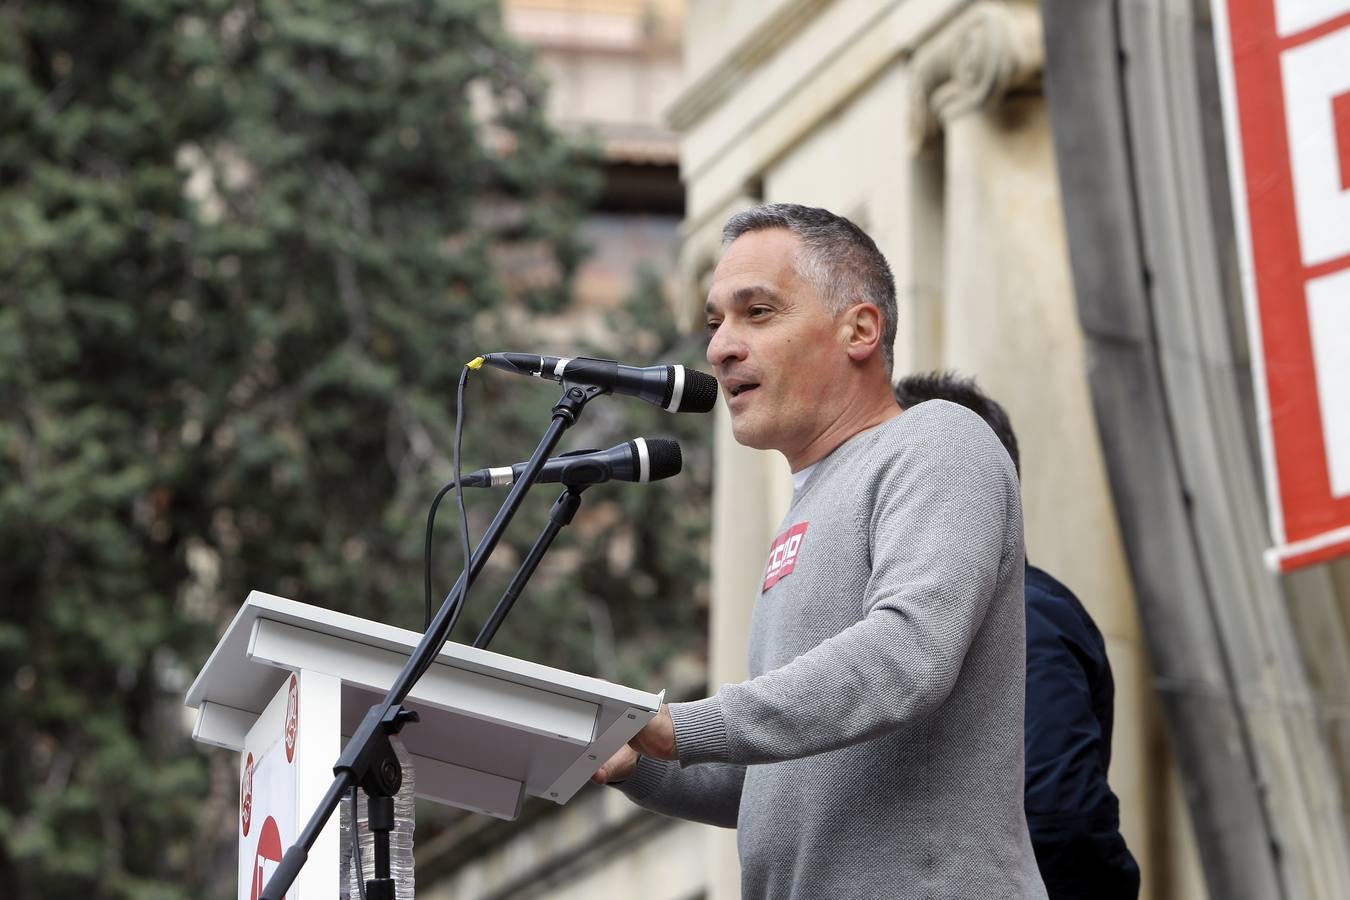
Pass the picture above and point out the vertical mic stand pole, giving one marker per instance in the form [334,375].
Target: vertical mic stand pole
[564,508]
[368,759]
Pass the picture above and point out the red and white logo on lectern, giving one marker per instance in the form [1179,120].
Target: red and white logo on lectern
[246,796]
[267,857]
[292,718]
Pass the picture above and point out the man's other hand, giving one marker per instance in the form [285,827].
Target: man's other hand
[619,767]
[656,739]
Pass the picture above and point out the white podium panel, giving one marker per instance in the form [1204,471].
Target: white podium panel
[284,769]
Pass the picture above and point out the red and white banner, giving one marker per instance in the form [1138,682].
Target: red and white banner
[1285,66]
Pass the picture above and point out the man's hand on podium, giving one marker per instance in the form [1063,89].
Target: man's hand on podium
[619,767]
[656,739]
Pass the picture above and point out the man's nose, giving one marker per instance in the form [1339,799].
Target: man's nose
[725,346]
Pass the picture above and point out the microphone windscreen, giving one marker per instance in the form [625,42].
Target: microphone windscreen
[666,459]
[700,392]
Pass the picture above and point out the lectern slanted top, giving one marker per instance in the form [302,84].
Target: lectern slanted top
[493,728]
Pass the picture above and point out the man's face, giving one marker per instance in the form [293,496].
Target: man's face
[774,348]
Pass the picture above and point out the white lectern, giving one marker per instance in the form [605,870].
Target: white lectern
[289,682]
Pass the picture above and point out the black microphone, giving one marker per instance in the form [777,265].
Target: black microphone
[673,388]
[637,460]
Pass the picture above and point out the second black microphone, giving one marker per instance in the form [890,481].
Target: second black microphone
[640,459]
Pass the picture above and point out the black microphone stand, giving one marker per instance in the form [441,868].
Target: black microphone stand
[369,760]
[564,508]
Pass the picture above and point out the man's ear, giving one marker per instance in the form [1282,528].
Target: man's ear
[863,324]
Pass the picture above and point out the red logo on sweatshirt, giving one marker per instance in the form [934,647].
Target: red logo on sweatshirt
[783,556]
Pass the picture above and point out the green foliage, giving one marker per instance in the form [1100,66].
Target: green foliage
[246,247]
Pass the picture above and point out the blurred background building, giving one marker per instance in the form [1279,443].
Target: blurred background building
[613,66]
[962,135]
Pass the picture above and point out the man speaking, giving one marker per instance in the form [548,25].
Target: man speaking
[876,751]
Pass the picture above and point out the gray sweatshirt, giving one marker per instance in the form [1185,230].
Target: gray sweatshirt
[876,751]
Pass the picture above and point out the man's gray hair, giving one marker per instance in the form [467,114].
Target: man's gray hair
[837,257]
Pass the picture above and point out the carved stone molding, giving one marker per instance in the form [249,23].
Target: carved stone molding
[972,62]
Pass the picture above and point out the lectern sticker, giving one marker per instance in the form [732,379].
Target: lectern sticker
[292,717]
[266,858]
[246,796]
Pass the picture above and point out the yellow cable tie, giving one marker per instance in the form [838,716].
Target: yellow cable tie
[476,363]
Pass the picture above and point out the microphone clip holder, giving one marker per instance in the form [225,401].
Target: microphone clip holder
[373,765]
[574,398]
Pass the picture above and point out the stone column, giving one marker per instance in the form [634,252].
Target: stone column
[1008,317]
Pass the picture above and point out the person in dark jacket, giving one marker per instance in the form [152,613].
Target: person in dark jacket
[1072,814]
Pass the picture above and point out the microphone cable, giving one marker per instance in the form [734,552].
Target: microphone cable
[426,573]
[458,488]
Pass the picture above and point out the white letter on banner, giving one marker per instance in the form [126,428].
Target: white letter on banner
[1314,74]
[1329,321]
[1293,16]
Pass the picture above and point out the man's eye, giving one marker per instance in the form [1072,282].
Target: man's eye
[758,311]
[712,326]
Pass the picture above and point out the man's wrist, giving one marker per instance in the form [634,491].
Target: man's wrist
[645,778]
[700,731]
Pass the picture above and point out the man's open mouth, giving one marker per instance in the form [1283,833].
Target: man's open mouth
[742,388]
